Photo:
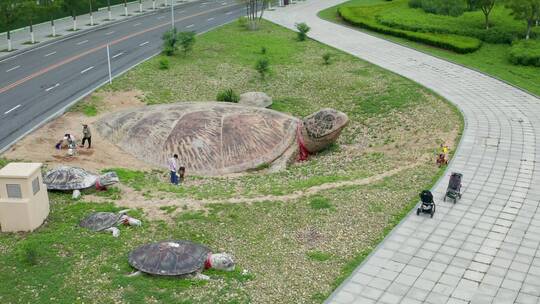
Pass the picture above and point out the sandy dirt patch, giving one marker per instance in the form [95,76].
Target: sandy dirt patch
[39,145]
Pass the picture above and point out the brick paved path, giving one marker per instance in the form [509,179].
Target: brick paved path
[484,249]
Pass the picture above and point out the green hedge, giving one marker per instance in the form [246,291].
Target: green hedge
[503,27]
[456,43]
[525,52]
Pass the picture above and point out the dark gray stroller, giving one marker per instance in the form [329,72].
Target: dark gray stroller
[454,187]
[428,205]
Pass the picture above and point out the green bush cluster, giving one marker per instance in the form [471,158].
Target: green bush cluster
[440,7]
[471,24]
[228,95]
[525,52]
[459,44]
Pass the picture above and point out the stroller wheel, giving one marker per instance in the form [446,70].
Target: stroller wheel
[432,214]
[418,211]
[444,199]
[455,200]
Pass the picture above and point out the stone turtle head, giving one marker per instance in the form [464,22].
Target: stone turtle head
[221,261]
[322,128]
[108,179]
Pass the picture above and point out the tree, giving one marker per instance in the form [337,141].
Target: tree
[254,11]
[170,42]
[30,9]
[72,6]
[486,6]
[186,40]
[51,7]
[472,5]
[109,10]
[90,2]
[527,10]
[9,13]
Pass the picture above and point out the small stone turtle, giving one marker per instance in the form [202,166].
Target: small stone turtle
[74,178]
[178,258]
[107,221]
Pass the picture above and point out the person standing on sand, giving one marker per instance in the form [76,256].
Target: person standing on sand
[87,135]
[173,167]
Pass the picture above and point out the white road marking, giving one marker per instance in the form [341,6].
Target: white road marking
[224,3]
[144,43]
[137,24]
[13,68]
[210,19]
[161,17]
[119,54]
[82,42]
[86,70]
[52,53]
[12,109]
[191,25]
[109,33]
[228,13]
[54,86]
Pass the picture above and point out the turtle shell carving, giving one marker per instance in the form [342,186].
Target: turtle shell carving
[100,220]
[210,138]
[169,258]
[68,178]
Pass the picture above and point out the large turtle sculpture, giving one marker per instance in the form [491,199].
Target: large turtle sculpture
[214,138]
[178,258]
[107,221]
[73,178]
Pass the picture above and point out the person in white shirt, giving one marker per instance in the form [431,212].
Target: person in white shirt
[173,167]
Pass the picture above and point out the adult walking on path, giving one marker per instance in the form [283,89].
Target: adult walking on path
[484,249]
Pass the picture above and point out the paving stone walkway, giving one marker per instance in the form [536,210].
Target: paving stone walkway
[484,249]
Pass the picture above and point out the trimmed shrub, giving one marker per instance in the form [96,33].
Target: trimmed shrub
[262,66]
[525,52]
[303,29]
[326,58]
[228,95]
[440,7]
[456,43]
[164,64]
[242,22]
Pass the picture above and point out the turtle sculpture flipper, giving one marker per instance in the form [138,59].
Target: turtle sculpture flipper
[178,258]
[74,178]
[213,138]
[107,221]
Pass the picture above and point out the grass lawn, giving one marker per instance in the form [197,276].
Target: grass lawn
[304,229]
[491,58]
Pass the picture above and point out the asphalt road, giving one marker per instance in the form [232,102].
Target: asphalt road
[39,84]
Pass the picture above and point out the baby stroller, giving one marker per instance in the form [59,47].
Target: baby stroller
[428,205]
[454,187]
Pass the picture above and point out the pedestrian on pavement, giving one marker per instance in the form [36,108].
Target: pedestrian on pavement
[173,167]
[87,135]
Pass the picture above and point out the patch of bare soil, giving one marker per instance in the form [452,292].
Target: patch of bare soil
[39,146]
